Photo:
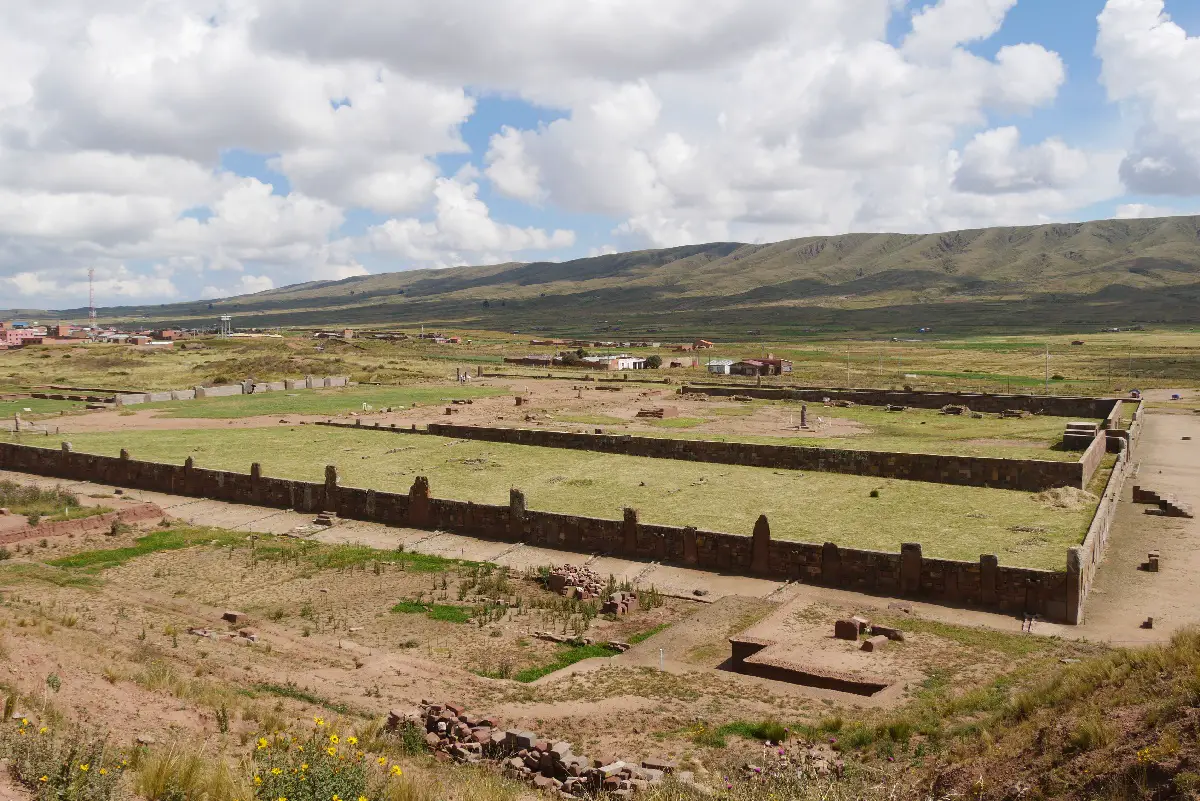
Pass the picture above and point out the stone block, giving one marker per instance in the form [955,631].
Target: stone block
[845,630]
[887,631]
[875,643]
[233,617]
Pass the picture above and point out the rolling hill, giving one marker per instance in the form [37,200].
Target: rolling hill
[1108,272]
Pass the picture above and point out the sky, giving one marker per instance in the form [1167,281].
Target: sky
[190,149]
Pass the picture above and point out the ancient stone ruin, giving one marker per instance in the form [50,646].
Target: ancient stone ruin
[547,765]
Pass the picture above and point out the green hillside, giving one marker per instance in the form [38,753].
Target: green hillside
[1109,272]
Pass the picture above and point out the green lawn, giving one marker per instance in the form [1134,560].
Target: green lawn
[317,401]
[38,407]
[912,431]
[951,522]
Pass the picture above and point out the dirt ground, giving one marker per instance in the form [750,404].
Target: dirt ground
[118,639]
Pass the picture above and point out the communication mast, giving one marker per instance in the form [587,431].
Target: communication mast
[226,325]
[92,296]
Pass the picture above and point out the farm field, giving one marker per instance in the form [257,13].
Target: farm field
[951,522]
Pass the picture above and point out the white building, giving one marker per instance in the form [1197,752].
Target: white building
[720,366]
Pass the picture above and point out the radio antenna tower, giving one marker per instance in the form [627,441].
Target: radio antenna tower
[92,296]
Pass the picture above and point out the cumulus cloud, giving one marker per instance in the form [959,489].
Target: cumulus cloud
[994,161]
[462,231]
[1151,64]
[676,121]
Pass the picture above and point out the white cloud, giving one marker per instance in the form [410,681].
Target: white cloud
[1151,64]
[245,285]
[462,231]
[509,170]
[994,162]
[943,26]
[676,121]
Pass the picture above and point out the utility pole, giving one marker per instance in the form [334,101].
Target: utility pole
[1047,369]
[92,297]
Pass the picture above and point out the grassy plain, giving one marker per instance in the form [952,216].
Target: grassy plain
[951,522]
[317,401]
[1104,364]
[910,431]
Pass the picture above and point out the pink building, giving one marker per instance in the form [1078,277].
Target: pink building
[16,337]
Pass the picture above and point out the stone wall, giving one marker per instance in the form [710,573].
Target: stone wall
[983,584]
[96,524]
[1083,560]
[1031,475]
[1057,406]
[227,390]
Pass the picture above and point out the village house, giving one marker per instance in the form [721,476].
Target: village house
[621,362]
[719,366]
[768,365]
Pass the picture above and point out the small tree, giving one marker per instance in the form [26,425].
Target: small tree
[654,362]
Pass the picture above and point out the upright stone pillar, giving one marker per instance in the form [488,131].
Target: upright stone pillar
[419,512]
[64,459]
[516,515]
[1075,585]
[629,528]
[256,482]
[910,568]
[124,455]
[760,557]
[691,554]
[804,415]
[989,574]
[831,565]
[331,489]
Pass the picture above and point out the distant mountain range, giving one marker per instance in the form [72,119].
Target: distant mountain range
[1078,275]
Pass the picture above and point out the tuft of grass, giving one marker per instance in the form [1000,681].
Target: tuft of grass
[566,657]
[183,771]
[297,694]
[447,613]
[765,730]
[642,636]
[171,539]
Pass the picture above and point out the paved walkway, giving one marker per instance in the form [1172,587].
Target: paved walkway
[1122,595]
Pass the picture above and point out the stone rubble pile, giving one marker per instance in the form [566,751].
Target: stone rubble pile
[575,581]
[549,766]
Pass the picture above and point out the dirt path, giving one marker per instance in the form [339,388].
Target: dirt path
[1123,595]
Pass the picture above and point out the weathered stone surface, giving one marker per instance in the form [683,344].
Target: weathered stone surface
[875,643]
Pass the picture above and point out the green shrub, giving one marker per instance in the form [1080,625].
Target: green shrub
[76,765]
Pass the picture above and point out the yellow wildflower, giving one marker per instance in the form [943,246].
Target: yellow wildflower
[362,798]
[331,750]
[303,766]
[396,770]
[24,721]
[275,771]
[103,772]
[352,740]
[333,738]
[319,721]
[262,743]
[382,760]
[84,767]
[43,730]
[44,778]
[258,780]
